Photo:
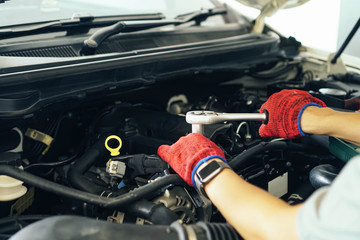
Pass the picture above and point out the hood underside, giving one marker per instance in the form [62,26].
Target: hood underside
[268,8]
[260,4]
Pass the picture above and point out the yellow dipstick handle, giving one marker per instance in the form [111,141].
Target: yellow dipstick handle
[113,151]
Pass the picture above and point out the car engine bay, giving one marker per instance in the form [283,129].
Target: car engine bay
[68,170]
[79,134]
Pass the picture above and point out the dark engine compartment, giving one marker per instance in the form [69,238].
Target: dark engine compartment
[74,174]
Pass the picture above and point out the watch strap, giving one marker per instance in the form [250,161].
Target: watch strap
[200,182]
[204,160]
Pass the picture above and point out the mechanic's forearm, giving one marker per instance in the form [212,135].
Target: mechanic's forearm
[326,121]
[253,212]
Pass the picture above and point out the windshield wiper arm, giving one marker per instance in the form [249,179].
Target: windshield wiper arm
[201,15]
[91,44]
[75,21]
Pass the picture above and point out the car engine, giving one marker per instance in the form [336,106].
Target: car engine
[99,159]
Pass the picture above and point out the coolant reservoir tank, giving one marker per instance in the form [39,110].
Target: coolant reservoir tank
[11,188]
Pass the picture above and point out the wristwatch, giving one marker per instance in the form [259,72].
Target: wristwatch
[207,173]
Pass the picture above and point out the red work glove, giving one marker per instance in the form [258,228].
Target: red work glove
[188,153]
[285,109]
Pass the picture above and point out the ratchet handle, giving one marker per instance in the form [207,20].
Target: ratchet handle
[210,117]
[200,118]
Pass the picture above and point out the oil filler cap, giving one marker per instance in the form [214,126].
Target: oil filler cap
[113,151]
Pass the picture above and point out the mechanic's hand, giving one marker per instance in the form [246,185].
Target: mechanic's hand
[188,153]
[285,109]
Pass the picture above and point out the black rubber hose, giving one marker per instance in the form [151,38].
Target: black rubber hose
[273,74]
[219,231]
[82,165]
[81,228]
[206,231]
[155,213]
[323,175]
[46,185]
[13,224]
[243,158]
[50,164]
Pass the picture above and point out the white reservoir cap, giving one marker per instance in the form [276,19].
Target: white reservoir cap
[11,188]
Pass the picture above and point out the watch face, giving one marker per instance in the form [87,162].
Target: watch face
[206,171]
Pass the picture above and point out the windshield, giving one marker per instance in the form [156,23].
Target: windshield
[14,12]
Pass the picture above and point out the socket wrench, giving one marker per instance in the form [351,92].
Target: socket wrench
[200,118]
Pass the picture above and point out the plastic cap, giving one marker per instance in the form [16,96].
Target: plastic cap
[113,151]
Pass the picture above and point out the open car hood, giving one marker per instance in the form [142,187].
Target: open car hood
[260,4]
[268,8]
